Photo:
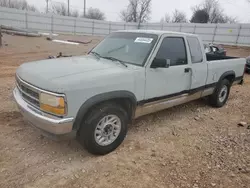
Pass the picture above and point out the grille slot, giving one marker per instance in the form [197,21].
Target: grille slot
[29,94]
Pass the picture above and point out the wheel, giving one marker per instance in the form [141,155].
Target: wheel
[221,93]
[104,128]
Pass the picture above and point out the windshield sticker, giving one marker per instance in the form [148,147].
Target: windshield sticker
[144,40]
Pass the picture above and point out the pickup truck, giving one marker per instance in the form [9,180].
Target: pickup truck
[127,75]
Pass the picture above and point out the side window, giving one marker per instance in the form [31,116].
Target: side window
[174,49]
[195,49]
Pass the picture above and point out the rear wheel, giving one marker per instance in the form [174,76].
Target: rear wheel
[104,128]
[221,93]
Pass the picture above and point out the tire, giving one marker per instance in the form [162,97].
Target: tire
[221,94]
[90,130]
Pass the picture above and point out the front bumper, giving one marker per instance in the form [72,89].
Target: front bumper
[46,123]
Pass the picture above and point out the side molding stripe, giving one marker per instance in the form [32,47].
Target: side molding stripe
[192,91]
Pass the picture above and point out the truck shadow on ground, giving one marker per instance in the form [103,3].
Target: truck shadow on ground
[173,112]
[181,110]
[31,138]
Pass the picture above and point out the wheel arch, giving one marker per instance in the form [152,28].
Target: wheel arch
[124,98]
[229,75]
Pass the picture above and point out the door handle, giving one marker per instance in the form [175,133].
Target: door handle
[187,70]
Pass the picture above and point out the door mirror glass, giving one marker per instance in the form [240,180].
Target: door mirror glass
[159,63]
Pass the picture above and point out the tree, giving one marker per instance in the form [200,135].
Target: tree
[61,9]
[227,19]
[17,4]
[213,10]
[179,17]
[200,16]
[137,11]
[166,18]
[74,13]
[94,13]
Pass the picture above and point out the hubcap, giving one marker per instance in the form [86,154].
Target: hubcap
[107,130]
[223,93]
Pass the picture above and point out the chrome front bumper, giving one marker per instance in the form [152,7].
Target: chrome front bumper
[41,120]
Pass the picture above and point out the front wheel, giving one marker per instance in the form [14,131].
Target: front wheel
[104,129]
[221,94]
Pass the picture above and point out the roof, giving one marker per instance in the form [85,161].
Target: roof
[157,32]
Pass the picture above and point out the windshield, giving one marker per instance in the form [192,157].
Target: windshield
[132,48]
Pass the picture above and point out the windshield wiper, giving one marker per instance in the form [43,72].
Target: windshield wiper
[110,58]
[96,54]
[114,59]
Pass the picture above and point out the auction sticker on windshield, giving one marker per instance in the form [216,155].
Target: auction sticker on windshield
[144,40]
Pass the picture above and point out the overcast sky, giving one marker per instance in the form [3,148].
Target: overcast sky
[112,8]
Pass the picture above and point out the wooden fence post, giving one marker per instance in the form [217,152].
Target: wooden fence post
[215,30]
[237,40]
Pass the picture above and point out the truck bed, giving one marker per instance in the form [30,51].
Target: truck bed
[218,67]
[212,57]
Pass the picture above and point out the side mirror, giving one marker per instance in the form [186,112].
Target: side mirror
[160,63]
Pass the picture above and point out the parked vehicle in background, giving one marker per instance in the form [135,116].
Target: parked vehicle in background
[127,75]
[214,49]
[248,64]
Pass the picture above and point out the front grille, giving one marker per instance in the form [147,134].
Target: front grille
[29,94]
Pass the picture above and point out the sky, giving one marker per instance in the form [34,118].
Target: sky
[112,8]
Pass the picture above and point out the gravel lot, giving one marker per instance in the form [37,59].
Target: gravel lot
[191,145]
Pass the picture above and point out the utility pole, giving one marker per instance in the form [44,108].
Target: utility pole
[47,7]
[68,7]
[84,11]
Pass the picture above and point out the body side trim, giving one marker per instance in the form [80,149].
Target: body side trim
[166,103]
[192,91]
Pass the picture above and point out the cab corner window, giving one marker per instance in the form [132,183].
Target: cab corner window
[195,50]
[173,49]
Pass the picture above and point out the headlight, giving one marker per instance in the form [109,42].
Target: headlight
[53,104]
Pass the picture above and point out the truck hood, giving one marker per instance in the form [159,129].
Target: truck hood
[54,68]
[57,73]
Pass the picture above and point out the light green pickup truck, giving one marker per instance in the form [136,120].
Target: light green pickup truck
[127,75]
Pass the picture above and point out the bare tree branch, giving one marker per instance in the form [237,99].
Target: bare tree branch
[179,17]
[94,13]
[17,4]
[61,9]
[137,11]
[214,11]
[74,13]
[166,18]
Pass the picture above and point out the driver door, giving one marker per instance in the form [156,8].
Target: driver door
[172,81]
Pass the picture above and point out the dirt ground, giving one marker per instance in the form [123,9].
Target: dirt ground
[192,145]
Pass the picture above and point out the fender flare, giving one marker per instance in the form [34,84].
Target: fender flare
[228,73]
[102,98]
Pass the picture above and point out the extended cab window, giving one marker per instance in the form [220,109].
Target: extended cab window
[195,50]
[174,49]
